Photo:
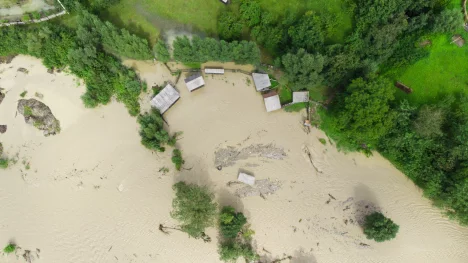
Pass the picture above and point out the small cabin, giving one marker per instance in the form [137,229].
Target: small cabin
[194,82]
[165,98]
[219,71]
[272,101]
[300,96]
[261,81]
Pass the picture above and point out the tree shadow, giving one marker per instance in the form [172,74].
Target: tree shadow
[194,172]
[365,203]
[226,198]
[299,256]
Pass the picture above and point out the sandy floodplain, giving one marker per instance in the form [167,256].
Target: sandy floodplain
[94,194]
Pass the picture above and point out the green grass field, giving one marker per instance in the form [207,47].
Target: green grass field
[148,17]
[444,71]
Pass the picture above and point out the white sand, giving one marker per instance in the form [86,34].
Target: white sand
[94,194]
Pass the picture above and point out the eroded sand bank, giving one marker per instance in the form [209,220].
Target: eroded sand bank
[94,194]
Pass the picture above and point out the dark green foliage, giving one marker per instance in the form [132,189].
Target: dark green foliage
[364,115]
[231,251]
[307,33]
[229,25]
[153,135]
[379,227]
[230,222]
[303,70]
[448,21]
[26,18]
[250,11]
[36,15]
[23,94]
[101,4]
[209,49]
[117,41]
[296,107]
[177,159]
[161,52]
[10,248]
[429,121]
[194,208]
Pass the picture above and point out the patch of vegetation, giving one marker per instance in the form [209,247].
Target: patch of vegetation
[161,52]
[285,95]
[194,207]
[230,222]
[296,107]
[153,135]
[323,141]
[23,94]
[231,251]
[379,227]
[4,162]
[10,248]
[27,111]
[36,15]
[26,18]
[177,159]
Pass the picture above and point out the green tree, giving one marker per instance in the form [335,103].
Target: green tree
[364,115]
[448,21]
[230,222]
[379,227]
[303,69]
[161,52]
[229,25]
[194,208]
[250,12]
[177,159]
[231,251]
[429,121]
[153,135]
[308,33]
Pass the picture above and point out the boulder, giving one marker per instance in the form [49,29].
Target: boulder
[2,96]
[3,128]
[38,114]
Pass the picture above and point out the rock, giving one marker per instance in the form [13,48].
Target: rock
[23,70]
[39,115]
[7,59]
[39,95]
[1,149]
[3,128]
[2,96]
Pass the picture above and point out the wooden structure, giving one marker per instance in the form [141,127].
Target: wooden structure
[194,82]
[214,71]
[300,96]
[246,179]
[272,101]
[165,98]
[458,40]
[403,87]
[262,81]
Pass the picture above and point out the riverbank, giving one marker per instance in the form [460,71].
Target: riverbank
[93,193]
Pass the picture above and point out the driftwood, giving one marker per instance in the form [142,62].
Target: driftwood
[403,87]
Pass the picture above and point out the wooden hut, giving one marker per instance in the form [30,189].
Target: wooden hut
[261,81]
[272,101]
[194,82]
[165,98]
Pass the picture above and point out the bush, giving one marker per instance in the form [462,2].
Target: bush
[194,207]
[4,162]
[10,248]
[296,107]
[379,227]
[26,18]
[160,51]
[177,159]
[153,135]
[230,222]
[231,251]
[36,15]
[23,94]
[323,141]
[229,26]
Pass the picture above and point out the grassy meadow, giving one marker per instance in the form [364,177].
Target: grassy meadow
[148,17]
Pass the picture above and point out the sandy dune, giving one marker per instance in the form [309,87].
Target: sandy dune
[94,194]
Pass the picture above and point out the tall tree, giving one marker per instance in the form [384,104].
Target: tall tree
[303,69]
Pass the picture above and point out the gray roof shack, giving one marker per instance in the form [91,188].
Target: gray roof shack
[214,71]
[194,82]
[300,96]
[246,179]
[262,81]
[165,98]
[272,101]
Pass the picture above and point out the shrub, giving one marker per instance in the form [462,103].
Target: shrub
[231,251]
[177,159]
[26,18]
[4,163]
[27,111]
[153,135]
[296,107]
[161,52]
[323,141]
[379,227]
[10,248]
[23,94]
[194,207]
[230,222]
[36,15]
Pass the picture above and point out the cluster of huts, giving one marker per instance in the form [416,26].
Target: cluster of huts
[169,95]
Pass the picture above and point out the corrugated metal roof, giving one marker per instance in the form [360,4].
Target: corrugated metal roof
[165,98]
[272,103]
[262,81]
[300,96]
[194,82]
[214,71]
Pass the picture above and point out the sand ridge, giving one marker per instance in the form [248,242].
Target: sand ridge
[94,194]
